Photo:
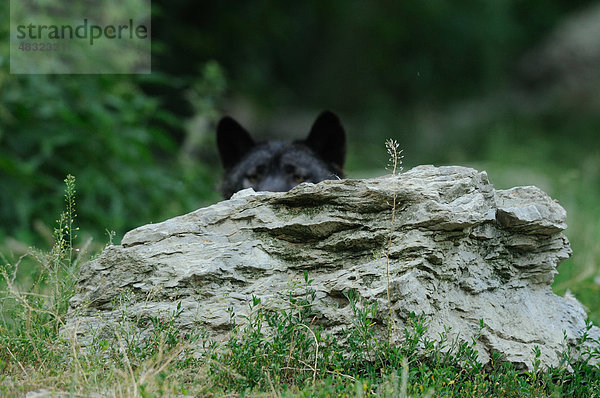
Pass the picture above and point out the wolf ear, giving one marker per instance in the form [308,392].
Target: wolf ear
[328,139]
[233,141]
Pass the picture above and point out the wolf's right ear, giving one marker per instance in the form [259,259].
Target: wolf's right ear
[233,141]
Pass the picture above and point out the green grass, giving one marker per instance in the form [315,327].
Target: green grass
[274,351]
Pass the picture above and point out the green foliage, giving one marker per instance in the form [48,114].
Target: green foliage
[101,129]
[121,143]
[30,321]
[275,346]
[282,350]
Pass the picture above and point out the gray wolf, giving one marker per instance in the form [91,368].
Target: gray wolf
[276,165]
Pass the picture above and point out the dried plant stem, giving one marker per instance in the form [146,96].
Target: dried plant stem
[394,163]
[387,266]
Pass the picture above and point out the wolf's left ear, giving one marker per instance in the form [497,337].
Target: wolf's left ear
[328,139]
[233,141]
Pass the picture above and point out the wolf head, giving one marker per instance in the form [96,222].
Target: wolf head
[280,166]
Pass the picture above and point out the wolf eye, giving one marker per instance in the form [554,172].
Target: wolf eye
[299,179]
[252,178]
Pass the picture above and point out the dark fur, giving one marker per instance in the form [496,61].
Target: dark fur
[279,166]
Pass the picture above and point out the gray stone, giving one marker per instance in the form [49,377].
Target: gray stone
[461,252]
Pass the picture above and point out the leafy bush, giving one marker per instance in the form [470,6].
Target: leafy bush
[104,130]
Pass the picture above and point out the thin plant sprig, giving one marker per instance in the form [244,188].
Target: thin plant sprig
[395,160]
[395,166]
[70,214]
[60,262]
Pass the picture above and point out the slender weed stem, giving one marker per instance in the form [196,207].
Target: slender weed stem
[395,164]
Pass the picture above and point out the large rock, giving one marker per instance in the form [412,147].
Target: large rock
[461,252]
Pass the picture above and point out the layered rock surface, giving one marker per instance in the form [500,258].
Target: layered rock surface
[461,252]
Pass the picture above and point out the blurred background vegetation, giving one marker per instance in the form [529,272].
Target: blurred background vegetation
[506,86]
